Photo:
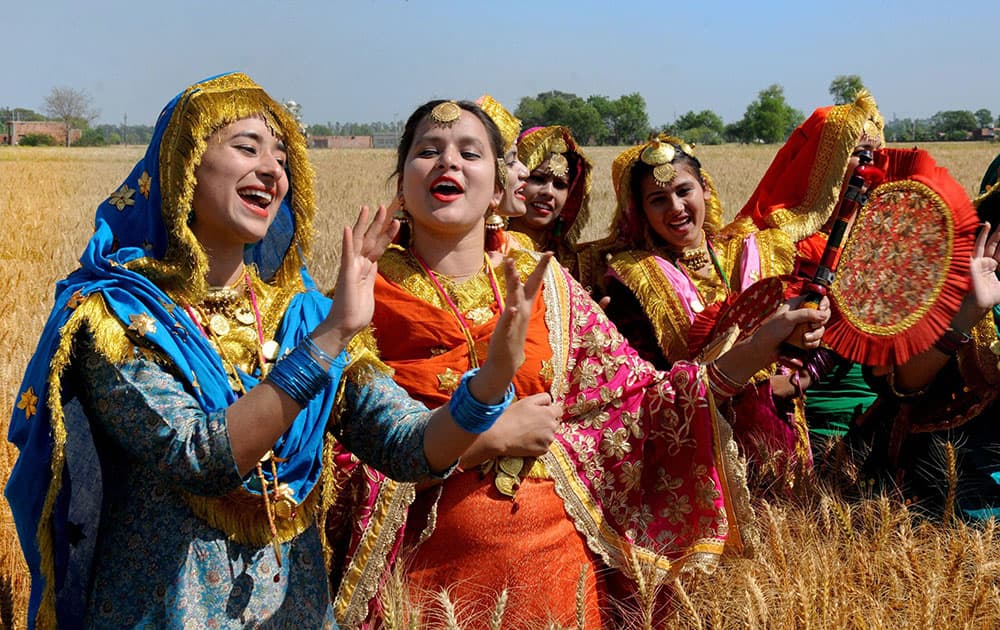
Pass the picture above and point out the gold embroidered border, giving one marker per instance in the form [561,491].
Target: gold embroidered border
[555,292]
[846,309]
[93,312]
[742,536]
[642,275]
[777,253]
[362,576]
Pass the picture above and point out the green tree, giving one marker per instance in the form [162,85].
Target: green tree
[71,106]
[563,108]
[984,117]
[845,87]
[19,113]
[954,124]
[631,125]
[706,119]
[319,130]
[91,138]
[769,118]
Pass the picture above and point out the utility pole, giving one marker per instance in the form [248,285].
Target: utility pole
[125,129]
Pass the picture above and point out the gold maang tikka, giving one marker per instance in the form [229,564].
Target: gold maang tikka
[659,155]
[446,113]
[558,164]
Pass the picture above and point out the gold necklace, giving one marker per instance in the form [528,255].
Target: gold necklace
[230,319]
[695,259]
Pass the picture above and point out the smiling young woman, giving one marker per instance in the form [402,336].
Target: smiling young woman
[675,268]
[174,418]
[557,193]
[602,465]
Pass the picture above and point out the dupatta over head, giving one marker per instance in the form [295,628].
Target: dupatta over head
[141,263]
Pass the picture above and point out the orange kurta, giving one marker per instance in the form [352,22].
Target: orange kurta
[540,571]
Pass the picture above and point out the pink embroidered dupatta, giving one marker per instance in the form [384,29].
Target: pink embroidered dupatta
[646,468]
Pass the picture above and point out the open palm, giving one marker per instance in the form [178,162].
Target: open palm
[364,244]
[985,285]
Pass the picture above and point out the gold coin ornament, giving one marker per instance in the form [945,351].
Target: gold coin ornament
[558,165]
[506,484]
[270,349]
[995,347]
[479,316]
[558,145]
[658,153]
[245,316]
[511,465]
[219,324]
[664,174]
[445,114]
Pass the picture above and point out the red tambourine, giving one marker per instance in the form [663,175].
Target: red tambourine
[722,324]
[905,268]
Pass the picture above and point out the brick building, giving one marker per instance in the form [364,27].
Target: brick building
[14,130]
[340,142]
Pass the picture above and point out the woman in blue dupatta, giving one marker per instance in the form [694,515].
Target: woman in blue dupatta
[172,421]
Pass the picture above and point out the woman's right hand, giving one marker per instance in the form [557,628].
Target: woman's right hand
[763,347]
[525,430]
[506,351]
[354,299]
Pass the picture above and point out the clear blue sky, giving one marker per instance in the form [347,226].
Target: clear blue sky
[366,60]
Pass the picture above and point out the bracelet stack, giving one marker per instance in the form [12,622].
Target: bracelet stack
[470,414]
[306,371]
[950,342]
[721,383]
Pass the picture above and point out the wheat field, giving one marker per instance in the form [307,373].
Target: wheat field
[821,562]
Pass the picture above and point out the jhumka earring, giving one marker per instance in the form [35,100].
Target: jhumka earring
[495,237]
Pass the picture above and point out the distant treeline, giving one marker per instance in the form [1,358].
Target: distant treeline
[600,120]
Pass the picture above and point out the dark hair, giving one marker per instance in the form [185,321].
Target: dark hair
[410,130]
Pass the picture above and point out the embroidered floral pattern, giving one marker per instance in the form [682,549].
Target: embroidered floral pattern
[122,197]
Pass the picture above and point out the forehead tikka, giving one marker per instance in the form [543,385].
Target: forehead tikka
[558,164]
[660,156]
[445,114]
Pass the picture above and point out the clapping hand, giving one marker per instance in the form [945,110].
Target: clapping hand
[363,245]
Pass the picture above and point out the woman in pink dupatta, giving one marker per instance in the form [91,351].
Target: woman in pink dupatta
[641,474]
[678,268]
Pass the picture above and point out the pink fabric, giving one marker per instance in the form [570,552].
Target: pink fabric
[639,461]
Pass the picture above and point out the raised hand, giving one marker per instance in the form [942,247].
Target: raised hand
[363,245]
[984,283]
[506,351]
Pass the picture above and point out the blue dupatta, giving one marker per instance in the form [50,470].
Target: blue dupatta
[140,231]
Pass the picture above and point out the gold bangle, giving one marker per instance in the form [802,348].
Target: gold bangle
[891,379]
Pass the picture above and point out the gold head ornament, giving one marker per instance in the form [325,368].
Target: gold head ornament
[558,164]
[445,114]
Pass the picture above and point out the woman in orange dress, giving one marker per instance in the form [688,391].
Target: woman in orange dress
[615,467]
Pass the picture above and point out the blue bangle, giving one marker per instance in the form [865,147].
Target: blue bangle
[470,414]
[300,376]
[319,353]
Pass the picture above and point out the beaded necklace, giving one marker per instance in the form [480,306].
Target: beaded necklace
[463,322]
